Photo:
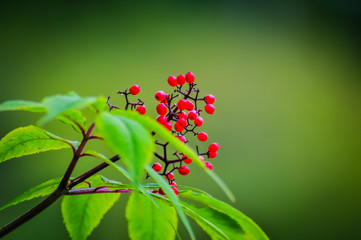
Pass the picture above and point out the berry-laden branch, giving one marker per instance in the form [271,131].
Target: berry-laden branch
[180,116]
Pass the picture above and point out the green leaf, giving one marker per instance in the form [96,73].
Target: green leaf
[233,223]
[126,174]
[182,188]
[100,105]
[146,221]
[173,198]
[130,140]
[74,118]
[22,105]
[29,140]
[155,126]
[101,181]
[41,190]
[211,229]
[60,103]
[82,213]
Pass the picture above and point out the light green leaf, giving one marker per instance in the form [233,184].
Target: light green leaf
[209,227]
[146,221]
[173,198]
[164,133]
[233,223]
[130,140]
[101,181]
[29,140]
[100,105]
[213,231]
[182,188]
[22,105]
[82,213]
[41,190]
[74,118]
[126,174]
[60,103]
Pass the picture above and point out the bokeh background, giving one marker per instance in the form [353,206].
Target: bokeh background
[286,76]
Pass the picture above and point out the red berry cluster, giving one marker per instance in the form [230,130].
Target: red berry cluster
[138,106]
[179,112]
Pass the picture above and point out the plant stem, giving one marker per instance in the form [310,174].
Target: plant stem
[64,181]
[80,191]
[91,172]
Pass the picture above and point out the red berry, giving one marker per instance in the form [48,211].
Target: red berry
[161,191]
[202,136]
[209,108]
[212,154]
[213,147]
[190,77]
[162,109]
[157,167]
[172,81]
[141,109]
[169,176]
[182,122]
[209,99]
[166,97]
[201,158]
[173,183]
[134,90]
[209,165]
[182,115]
[198,121]
[188,160]
[162,119]
[175,189]
[192,115]
[178,127]
[182,138]
[160,96]
[181,79]
[168,125]
[184,170]
[189,105]
[182,104]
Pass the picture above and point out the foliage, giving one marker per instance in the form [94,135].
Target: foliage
[153,208]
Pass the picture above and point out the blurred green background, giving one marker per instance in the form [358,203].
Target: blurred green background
[286,77]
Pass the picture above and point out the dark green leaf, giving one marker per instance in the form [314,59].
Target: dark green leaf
[74,118]
[41,190]
[60,103]
[130,140]
[29,140]
[82,213]
[232,222]
[146,221]
[22,105]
